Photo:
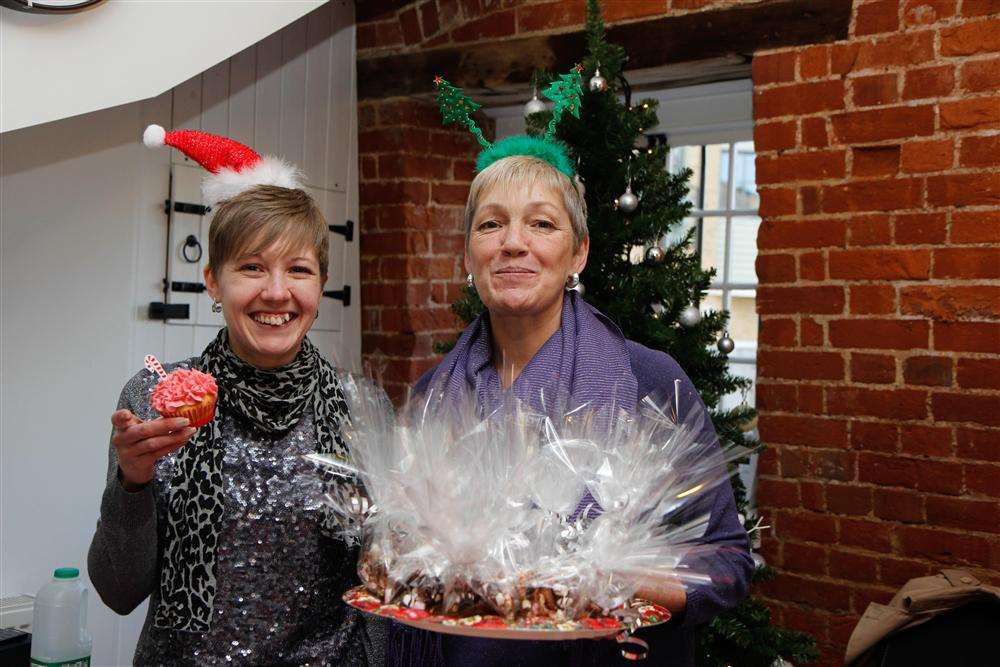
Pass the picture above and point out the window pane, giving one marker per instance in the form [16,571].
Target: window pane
[688,157]
[677,233]
[743,250]
[716,176]
[711,301]
[737,398]
[743,316]
[713,245]
[745,177]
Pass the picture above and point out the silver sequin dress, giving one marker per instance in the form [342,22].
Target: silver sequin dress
[279,576]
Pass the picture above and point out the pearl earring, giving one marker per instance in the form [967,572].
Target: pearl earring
[572,281]
[469,281]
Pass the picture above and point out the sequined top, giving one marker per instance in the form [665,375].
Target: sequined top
[279,576]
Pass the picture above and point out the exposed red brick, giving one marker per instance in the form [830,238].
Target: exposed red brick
[809,195]
[806,526]
[880,334]
[820,299]
[979,7]
[979,373]
[776,268]
[983,479]
[929,82]
[945,547]
[812,495]
[975,227]
[935,371]
[852,566]
[798,99]
[776,397]
[800,365]
[874,436]
[429,18]
[966,407]
[967,39]
[814,132]
[978,444]
[797,234]
[618,11]
[979,189]
[776,67]
[873,368]
[923,156]
[903,49]
[887,470]
[871,535]
[951,302]
[777,201]
[883,123]
[967,336]
[967,263]
[980,75]
[778,492]
[980,151]
[876,17]
[777,136]
[814,61]
[550,15]
[869,230]
[926,12]
[875,161]
[409,23]
[872,299]
[964,513]
[920,440]
[818,432]
[799,557]
[880,264]
[885,403]
[777,331]
[872,195]
[849,499]
[875,90]
[979,112]
[811,166]
[810,333]
[812,266]
[494,26]
[921,228]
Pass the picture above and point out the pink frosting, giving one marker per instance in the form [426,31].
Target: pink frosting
[182,387]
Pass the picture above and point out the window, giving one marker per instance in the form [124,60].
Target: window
[723,195]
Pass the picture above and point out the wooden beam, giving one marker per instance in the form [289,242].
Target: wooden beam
[492,66]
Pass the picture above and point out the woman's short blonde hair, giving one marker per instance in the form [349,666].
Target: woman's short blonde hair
[263,216]
[519,171]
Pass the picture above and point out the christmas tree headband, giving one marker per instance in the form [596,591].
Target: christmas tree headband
[232,166]
[565,92]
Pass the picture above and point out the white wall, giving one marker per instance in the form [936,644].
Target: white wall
[83,240]
[116,49]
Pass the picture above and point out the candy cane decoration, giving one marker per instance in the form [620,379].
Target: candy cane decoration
[154,366]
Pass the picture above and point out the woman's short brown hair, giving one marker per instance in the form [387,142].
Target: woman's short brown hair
[265,215]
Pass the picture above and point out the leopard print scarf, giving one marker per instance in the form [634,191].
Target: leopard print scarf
[269,400]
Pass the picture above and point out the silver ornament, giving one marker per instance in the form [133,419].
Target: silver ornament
[658,310]
[628,202]
[725,344]
[598,83]
[579,289]
[655,254]
[534,105]
[690,316]
[758,560]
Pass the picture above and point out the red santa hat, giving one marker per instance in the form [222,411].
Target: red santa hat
[232,166]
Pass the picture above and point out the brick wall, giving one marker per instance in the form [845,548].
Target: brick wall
[879,270]
[879,301]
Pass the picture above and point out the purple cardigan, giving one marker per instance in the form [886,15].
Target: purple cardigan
[672,644]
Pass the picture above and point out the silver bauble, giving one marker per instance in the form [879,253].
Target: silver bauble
[726,344]
[690,316]
[598,83]
[655,254]
[758,560]
[628,202]
[534,105]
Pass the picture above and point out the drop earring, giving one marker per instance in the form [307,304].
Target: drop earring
[469,281]
[217,307]
[572,281]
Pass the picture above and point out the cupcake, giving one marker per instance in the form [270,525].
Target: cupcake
[186,393]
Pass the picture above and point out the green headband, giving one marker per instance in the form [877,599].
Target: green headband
[565,92]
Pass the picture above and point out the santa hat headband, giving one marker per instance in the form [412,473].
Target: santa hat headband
[232,166]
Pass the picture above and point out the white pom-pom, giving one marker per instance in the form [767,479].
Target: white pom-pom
[154,136]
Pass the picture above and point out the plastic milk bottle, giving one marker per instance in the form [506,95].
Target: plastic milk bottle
[59,630]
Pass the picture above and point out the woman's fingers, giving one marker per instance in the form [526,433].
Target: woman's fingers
[122,419]
[153,457]
[150,445]
[134,433]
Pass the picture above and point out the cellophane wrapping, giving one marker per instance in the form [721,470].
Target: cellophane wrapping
[517,513]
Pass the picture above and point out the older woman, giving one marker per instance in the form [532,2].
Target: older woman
[526,243]
[220,529]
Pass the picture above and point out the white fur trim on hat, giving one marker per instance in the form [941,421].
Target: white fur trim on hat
[228,183]
[154,136]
